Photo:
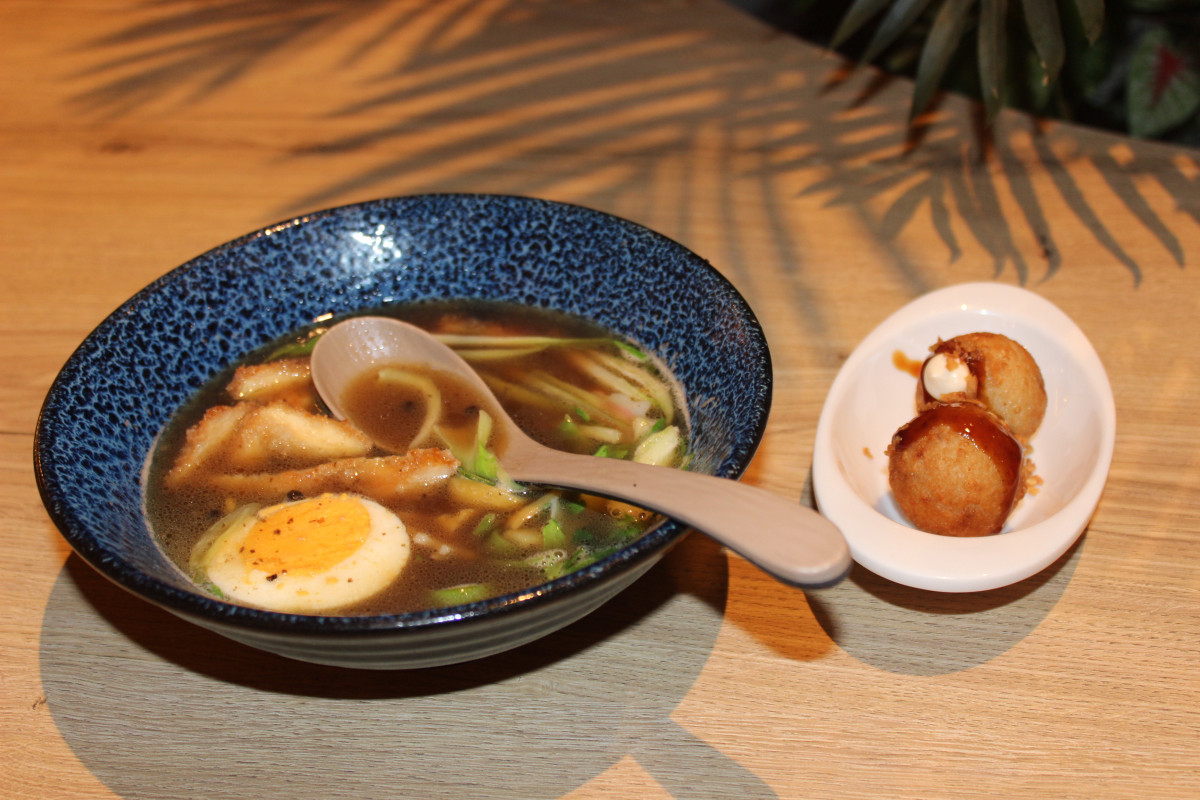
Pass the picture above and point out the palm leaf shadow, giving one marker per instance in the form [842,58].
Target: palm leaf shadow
[477,88]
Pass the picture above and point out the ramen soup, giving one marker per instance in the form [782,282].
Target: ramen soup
[266,500]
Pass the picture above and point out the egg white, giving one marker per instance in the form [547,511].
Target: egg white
[375,565]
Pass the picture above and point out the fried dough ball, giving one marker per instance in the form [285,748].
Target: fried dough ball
[956,470]
[988,368]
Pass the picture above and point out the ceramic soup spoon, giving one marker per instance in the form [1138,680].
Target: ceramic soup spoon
[787,540]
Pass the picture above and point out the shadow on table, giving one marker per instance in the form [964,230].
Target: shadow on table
[643,105]
[157,708]
[917,632]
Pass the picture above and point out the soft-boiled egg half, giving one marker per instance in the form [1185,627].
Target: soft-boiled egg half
[308,556]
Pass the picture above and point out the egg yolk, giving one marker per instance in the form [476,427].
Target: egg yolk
[307,537]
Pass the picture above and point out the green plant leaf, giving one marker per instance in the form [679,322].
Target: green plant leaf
[1091,15]
[1164,87]
[899,17]
[948,27]
[858,15]
[1045,29]
[1038,89]
[992,29]
[1159,6]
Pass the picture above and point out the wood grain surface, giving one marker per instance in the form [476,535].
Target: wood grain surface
[135,135]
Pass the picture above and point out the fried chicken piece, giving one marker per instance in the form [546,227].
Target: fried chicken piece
[382,479]
[248,437]
[287,379]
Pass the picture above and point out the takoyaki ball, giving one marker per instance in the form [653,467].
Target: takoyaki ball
[956,470]
[991,369]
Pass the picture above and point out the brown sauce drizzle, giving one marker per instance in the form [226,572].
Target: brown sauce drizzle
[905,364]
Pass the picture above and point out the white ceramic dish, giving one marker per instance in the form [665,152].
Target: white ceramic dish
[872,397]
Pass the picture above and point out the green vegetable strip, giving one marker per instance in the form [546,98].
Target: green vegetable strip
[548,561]
[553,535]
[296,349]
[497,545]
[659,448]
[486,525]
[483,461]
[569,428]
[630,349]
[466,593]
[475,460]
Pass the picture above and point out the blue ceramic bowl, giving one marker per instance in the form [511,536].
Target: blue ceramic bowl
[105,409]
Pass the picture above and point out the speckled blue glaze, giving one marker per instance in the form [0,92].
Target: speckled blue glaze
[119,388]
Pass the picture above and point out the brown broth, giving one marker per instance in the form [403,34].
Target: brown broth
[470,545]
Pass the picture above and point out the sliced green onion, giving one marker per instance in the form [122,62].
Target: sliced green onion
[568,428]
[549,561]
[463,593]
[497,545]
[484,462]
[611,451]
[303,347]
[660,448]
[553,536]
[582,557]
[628,348]
[486,525]
[478,462]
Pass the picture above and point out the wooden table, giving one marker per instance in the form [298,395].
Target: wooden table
[135,135]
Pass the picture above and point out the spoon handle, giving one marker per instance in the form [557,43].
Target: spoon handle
[791,542]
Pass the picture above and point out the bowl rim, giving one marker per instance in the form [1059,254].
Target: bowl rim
[199,606]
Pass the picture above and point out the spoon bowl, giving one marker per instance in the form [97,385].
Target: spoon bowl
[787,540]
